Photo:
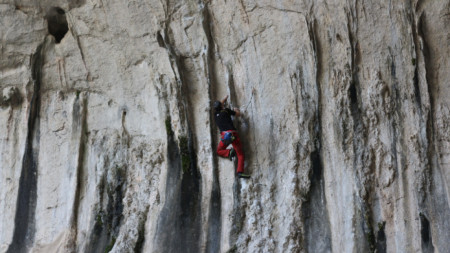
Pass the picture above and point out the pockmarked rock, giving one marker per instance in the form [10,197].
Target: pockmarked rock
[108,142]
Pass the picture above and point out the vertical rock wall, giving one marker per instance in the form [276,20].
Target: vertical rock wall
[107,141]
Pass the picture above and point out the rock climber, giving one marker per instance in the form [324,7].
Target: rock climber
[229,135]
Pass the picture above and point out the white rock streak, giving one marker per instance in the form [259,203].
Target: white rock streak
[107,141]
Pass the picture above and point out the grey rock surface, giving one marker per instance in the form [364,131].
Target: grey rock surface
[107,140]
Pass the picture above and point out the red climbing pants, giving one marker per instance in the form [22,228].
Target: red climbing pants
[224,152]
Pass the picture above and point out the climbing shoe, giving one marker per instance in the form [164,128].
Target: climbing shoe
[242,175]
[232,154]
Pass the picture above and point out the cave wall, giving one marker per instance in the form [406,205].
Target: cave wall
[107,141]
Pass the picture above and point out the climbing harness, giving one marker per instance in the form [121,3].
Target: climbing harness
[228,138]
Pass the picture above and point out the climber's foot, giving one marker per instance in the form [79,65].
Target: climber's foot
[242,175]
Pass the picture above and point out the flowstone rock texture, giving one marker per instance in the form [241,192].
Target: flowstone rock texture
[107,141]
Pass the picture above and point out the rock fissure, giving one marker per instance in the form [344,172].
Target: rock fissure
[364,172]
[138,247]
[184,200]
[108,142]
[314,207]
[427,243]
[24,220]
[179,228]
[80,127]
[110,215]
[215,206]
[429,76]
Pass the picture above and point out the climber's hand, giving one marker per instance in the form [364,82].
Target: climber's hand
[224,100]
[237,111]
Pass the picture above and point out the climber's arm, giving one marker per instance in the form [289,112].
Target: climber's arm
[236,110]
[224,100]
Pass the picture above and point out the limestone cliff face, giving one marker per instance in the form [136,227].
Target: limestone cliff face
[107,141]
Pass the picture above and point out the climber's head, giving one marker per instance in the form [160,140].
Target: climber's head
[217,106]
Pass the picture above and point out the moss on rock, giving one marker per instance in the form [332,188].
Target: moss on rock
[184,153]
[168,123]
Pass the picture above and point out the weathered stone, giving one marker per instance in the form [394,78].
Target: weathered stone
[107,141]
[11,96]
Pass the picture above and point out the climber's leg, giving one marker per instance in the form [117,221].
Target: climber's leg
[222,149]
[239,152]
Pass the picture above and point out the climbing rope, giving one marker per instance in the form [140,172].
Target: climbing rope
[244,107]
